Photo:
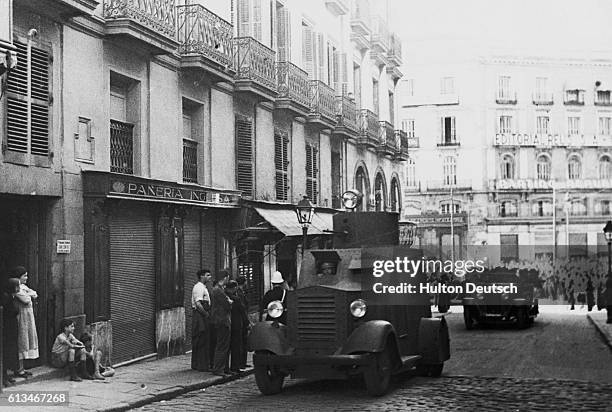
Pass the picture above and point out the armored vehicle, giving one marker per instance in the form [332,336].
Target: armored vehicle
[484,305]
[337,328]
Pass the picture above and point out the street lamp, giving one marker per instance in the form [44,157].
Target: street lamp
[304,211]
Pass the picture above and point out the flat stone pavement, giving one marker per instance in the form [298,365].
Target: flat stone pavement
[598,319]
[132,386]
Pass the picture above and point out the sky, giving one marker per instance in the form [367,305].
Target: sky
[548,28]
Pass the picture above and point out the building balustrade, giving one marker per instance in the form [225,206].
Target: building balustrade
[293,86]
[386,138]
[156,15]
[448,183]
[369,128]
[346,114]
[121,147]
[322,105]
[202,32]
[255,66]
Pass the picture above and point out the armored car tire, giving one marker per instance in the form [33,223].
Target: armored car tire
[522,317]
[377,376]
[269,380]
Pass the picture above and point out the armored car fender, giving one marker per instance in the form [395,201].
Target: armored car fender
[269,336]
[372,336]
[434,342]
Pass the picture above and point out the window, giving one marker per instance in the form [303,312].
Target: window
[578,208]
[574,96]
[336,179]
[507,167]
[574,168]
[124,94]
[508,208]
[283,33]
[447,85]
[312,172]
[542,208]
[357,85]
[395,195]
[509,248]
[411,173]
[375,96]
[27,120]
[449,135]
[542,123]
[541,94]
[308,50]
[380,193]
[543,167]
[602,97]
[505,124]
[281,164]
[605,126]
[249,19]
[244,155]
[450,171]
[605,167]
[573,125]
[602,207]
[192,124]
[504,92]
[445,208]
[363,186]
[409,87]
[408,127]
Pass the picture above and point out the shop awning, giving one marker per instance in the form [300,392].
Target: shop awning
[286,221]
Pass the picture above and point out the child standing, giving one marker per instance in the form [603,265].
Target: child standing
[66,349]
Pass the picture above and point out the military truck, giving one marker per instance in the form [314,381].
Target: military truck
[336,328]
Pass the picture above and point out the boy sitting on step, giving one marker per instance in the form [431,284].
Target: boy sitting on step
[66,349]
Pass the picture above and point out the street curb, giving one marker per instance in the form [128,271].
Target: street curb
[173,392]
[604,335]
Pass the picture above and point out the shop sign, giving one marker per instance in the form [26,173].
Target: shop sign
[63,246]
[437,220]
[536,184]
[551,140]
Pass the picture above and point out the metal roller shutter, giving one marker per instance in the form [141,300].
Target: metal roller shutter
[191,231]
[132,279]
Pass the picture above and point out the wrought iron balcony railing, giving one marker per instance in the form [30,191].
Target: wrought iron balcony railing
[121,147]
[402,145]
[506,98]
[386,138]
[346,113]
[322,102]
[202,32]
[293,84]
[190,161]
[543,99]
[254,62]
[369,128]
[157,15]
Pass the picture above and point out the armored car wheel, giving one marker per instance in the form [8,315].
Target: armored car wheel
[377,376]
[269,380]
[522,318]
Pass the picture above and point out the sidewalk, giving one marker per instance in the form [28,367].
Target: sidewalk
[598,319]
[132,386]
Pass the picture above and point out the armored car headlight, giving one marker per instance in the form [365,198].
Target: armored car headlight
[358,308]
[275,309]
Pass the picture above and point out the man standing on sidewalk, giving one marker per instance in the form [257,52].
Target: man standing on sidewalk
[221,321]
[200,322]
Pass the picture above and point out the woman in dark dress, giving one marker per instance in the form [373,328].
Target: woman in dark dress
[9,337]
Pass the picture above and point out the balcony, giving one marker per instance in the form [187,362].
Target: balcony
[505,97]
[337,7]
[148,24]
[255,68]
[446,184]
[346,115]
[322,109]
[369,128]
[190,161]
[602,98]
[449,141]
[402,145]
[121,147]
[574,97]
[361,24]
[543,99]
[205,42]
[386,139]
[293,89]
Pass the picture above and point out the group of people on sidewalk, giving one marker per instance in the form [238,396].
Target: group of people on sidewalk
[220,323]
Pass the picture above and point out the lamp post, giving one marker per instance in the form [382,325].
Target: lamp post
[304,211]
[608,292]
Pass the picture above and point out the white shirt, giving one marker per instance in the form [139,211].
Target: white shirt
[199,292]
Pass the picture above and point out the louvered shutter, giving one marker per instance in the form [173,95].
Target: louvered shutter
[308,51]
[281,164]
[336,71]
[18,106]
[311,173]
[321,57]
[284,35]
[315,175]
[244,155]
[344,73]
[257,19]
[244,29]
[453,134]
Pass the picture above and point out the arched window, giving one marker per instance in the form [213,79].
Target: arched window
[507,166]
[605,167]
[363,185]
[450,171]
[380,192]
[574,168]
[543,167]
[395,196]
[411,173]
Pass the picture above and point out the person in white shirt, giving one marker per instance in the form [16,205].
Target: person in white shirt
[200,322]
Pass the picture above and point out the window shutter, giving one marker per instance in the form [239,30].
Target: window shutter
[244,155]
[256,19]
[315,175]
[321,57]
[344,74]
[281,164]
[244,29]
[18,105]
[307,51]
[453,134]
[284,35]
[336,71]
